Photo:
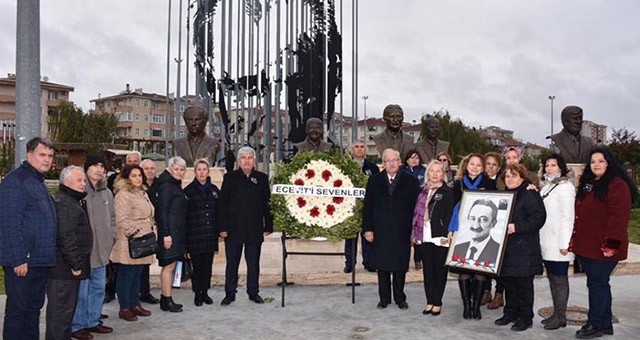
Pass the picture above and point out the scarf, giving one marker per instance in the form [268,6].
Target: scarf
[421,211]
[453,225]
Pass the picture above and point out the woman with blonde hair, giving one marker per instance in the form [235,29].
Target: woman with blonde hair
[134,217]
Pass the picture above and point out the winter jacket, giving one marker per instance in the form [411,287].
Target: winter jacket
[558,196]
[103,222]
[28,219]
[134,215]
[202,217]
[522,255]
[74,236]
[171,216]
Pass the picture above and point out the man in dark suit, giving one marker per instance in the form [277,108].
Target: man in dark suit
[359,152]
[481,219]
[197,144]
[245,219]
[388,212]
[573,147]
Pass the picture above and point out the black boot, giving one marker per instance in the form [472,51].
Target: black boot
[465,293]
[552,289]
[198,299]
[477,290]
[560,299]
[167,304]
[206,298]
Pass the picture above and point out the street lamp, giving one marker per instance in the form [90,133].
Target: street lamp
[551,98]
[365,119]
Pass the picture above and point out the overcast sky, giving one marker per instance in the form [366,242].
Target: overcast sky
[488,62]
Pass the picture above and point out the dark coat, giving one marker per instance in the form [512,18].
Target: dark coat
[389,216]
[202,219]
[522,255]
[369,168]
[458,186]
[27,219]
[75,237]
[244,207]
[440,211]
[599,223]
[171,216]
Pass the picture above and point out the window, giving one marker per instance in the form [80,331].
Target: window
[53,95]
[156,105]
[156,133]
[137,102]
[108,103]
[146,118]
[146,103]
[121,103]
[157,118]
[136,117]
[146,132]
[137,132]
[124,116]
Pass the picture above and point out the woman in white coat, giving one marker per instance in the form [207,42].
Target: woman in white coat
[558,194]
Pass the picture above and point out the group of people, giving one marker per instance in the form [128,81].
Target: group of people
[61,245]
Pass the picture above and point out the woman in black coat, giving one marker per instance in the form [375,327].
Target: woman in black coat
[431,219]
[470,176]
[202,234]
[522,258]
[171,218]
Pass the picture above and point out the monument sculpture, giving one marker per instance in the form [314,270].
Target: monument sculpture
[430,146]
[197,144]
[313,141]
[573,147]
[393,137]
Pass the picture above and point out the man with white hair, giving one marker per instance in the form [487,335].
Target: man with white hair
[245,219]
[387,221]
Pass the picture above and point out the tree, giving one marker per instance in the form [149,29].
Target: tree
[625,146]
[462,139]
[68,124]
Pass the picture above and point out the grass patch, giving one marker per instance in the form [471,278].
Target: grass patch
[634,226]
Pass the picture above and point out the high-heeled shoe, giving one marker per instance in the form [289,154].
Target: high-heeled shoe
[436,313]
[427,310]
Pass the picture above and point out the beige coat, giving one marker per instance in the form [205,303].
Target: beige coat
[134,212]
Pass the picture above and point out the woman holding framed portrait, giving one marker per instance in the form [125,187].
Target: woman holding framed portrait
[600,240]
[522,258]
[431,219]
[470,177]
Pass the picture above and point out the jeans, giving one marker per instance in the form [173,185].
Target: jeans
[90,299]
[25,298]
[128,285]
[598,274]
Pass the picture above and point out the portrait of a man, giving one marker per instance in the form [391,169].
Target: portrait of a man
[481,219]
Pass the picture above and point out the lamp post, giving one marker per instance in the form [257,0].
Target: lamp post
[365,118]
[551,98]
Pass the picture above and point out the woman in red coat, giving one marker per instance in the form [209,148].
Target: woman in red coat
[600,239]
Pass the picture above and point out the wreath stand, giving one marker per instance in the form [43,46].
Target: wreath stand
[286,254]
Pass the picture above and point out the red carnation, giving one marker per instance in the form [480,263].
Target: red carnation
[310,173]
[338,200]
[487,263]
[299,181]
[330,209]
[455,258]
[463,260]
[477,263]
[326,175]
[337,183]
[314,212]
[301,202]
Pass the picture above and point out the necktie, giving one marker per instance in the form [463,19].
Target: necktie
[391,180]
[473,253]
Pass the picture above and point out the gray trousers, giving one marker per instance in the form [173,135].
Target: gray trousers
[62,296]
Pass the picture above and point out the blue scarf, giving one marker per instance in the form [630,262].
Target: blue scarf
[453,225]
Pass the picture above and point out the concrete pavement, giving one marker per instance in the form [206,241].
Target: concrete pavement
[326,312]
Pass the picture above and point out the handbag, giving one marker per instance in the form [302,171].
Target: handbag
[143,246]
[187,268]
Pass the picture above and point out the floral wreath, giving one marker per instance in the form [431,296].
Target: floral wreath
[303,216]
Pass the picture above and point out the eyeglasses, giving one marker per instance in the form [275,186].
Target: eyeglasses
[443,160]
[395,160]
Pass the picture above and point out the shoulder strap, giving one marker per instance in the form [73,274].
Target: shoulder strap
[550,190]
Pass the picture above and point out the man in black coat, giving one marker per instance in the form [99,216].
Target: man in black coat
[73,252]
[359,152]
[245,219]
[388,212]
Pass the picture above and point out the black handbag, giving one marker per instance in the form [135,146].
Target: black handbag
[143,246]
[187,268]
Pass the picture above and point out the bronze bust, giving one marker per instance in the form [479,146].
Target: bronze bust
[313,141]
[393,137]
[430,146]
[197,144]
[573,147]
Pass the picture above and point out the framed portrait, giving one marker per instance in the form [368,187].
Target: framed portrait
[479,243]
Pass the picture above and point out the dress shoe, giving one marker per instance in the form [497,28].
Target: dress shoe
[167,304]
[103,316]
[197,300]
[608,330]
[127,315]
[101,329]
[589,332]
[497,302]
[505,320]
[427,310]
[403,305]
[521,325]
[370,269]
[228,300]
[436,313]
[382,305]
[486,297]
[82,334]
[206,298]
[109,297]
[347,269]
[150,299]
[139,311]
[256,298]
